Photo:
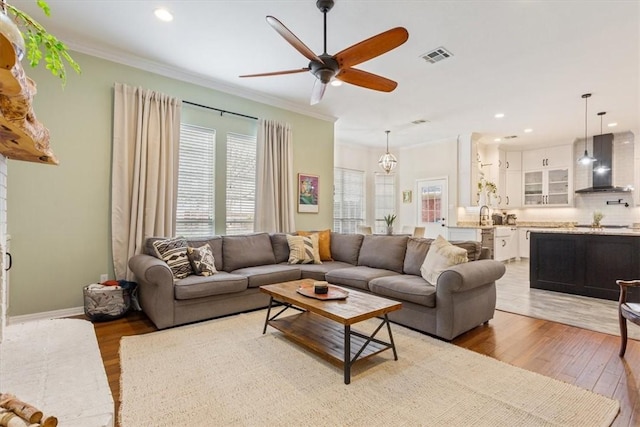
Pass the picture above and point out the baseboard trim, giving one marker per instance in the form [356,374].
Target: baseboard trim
[55,314]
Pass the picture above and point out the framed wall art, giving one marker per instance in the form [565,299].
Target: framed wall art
[406,196]
[307,193]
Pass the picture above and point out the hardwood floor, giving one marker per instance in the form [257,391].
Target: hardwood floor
[578,356]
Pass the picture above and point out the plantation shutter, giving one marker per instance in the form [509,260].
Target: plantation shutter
[385,199]
[196,182]
[348,200]
[241,183]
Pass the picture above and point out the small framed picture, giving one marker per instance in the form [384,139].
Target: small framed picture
[308,193]
[406,196]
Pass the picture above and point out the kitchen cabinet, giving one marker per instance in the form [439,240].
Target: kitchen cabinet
[469,161]
[505,243]
[510,179]
[549,187]
[524,239]
[549,157]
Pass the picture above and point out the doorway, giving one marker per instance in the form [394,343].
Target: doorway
[432,206]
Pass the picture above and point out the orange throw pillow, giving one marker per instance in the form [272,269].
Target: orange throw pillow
[324,242]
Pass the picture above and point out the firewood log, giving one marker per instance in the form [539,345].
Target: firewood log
[49,422]
[9,419]
[24,410]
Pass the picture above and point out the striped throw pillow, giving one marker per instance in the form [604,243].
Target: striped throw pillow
[174,253]
[304,249]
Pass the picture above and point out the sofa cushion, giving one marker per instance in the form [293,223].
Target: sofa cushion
[441,256]
[405,287]
[346,247]
[269,274]
[304,249]
[280,247]
[201,286]
[174,253]
[247,251]
[417,249]
[324,241]
[356,277]
[318,271]
[386,252]
[201,259]
[216,247]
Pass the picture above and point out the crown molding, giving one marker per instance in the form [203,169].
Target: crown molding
[198,79]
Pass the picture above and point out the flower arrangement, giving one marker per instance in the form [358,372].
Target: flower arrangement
[597,217]
[487,186]
[388,219]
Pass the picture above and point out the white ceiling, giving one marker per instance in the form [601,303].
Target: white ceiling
[531,60]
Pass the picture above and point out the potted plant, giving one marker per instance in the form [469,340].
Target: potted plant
[486,189]
[597,217]
[389,219]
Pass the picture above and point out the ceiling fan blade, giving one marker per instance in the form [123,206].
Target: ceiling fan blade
[318,91]
[293,40]
[372,47]
[277,73]
[366,79]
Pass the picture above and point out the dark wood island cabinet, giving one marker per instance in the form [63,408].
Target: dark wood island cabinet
[584,263]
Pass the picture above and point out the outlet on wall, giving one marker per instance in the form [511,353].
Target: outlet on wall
[104,277]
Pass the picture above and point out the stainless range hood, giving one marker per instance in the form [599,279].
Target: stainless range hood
[603,167]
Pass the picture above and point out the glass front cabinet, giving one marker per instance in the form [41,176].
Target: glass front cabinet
[549,187]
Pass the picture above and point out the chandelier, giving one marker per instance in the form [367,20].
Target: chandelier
[387,161]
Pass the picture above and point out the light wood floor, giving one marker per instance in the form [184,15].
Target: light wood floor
[578,356]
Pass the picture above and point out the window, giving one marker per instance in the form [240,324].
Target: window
[196,190]
[241,183]
[348,200]
[385,199]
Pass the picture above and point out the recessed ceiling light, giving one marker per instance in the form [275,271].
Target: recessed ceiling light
[163,15]
[336,82]
[497,140]
[528,130]
[499,115]
[612,125]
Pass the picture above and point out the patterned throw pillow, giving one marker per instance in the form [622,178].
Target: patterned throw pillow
[440,257]
[202,260]
[303,249]
[324,243]
[174,253]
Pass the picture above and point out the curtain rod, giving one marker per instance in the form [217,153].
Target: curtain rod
[221,111]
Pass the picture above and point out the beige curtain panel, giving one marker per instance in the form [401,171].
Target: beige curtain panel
[146,133]
[275,191]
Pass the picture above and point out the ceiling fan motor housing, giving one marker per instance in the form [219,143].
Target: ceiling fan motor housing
[324,5]
[324,72]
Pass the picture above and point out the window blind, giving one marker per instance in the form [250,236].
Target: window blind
[384,199]
[348,200]
[241,183]
[196,182]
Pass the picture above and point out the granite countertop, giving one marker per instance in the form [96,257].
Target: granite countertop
[589,230]
[557,227]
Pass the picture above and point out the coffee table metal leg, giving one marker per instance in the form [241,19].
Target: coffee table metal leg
[266,321]
[347,354]
[393,344]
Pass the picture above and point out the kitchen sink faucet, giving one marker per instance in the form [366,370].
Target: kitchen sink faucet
[484,217]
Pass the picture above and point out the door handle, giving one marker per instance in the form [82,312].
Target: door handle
[10,262]
[504,243]
[526,235]
[507,200]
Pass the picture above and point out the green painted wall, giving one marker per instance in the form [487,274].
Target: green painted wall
[59,216]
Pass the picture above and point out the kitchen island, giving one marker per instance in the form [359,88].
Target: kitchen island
[585,261]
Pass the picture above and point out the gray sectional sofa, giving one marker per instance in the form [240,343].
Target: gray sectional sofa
[389,266]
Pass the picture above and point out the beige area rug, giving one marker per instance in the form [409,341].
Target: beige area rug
[225,372]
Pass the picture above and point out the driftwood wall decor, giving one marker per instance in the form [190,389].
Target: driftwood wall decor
[22,136]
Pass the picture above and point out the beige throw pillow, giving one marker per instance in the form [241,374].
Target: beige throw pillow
[441,256]
[304,249]
[202,260]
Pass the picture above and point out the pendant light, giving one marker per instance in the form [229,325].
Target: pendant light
[585,159]
[387,161]
[601,168]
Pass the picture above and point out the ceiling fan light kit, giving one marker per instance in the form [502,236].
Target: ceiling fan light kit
[388,161]
[327,67]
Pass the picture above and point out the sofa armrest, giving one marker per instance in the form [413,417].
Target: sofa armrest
[155,289]
[470,275]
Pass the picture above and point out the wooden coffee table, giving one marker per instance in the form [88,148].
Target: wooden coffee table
[324,326]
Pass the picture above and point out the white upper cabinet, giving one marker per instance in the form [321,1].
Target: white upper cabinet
[548,176]
[510,179]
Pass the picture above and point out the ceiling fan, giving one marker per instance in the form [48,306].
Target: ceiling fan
[325,67]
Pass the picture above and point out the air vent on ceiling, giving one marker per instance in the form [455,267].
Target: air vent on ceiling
[510,136]
[436,55]
[420,121]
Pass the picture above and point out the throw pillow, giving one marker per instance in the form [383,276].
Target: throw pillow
[174,253]
[441,256]
[324,243]
[303,249]
[202,261]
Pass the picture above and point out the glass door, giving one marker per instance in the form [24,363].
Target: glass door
[558,187]
[533,188]
[432,204]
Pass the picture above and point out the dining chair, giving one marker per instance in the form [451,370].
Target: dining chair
[627,311]
[408,229]
[418,232]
